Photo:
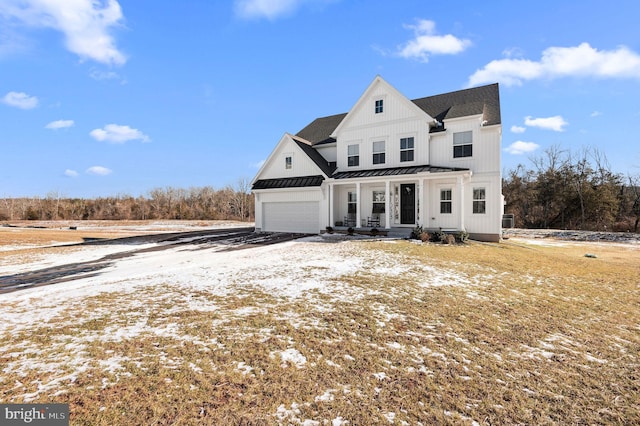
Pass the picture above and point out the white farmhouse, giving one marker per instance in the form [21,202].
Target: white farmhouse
[390,163]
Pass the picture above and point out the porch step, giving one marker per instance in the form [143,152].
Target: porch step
[399,232]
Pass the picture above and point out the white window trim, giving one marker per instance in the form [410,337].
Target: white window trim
[357,145]
[450,200]
[454,144]
[482,200]
[407,149]
[374,152]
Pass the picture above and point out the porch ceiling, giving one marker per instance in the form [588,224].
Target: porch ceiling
[394,171]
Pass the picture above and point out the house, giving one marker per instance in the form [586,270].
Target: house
[390,163]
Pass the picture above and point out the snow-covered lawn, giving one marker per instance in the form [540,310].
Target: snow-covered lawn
[329,330]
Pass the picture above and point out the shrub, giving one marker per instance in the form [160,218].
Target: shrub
[440,236]
[425,237]
[449,239]
[329,230]
[350,231]
[416,233]
[374,231]
[462,236]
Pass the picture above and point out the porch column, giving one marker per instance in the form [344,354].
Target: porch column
[358,221]
[461,201]
[421,215]
[387,205]
[331,221]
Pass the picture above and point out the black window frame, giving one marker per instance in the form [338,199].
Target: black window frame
[479,201]
[352,202]
[407,152]
[379,202]
[379,157]
[353,160]
[461,146]
[446,201]
[379,106]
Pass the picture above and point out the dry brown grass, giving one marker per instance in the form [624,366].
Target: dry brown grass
[533,335]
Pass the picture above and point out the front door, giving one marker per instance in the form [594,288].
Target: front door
[408,203]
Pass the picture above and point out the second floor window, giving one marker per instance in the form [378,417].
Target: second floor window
[378,153]
[445,201]
[288,162]
[462,144]
[353,155]
[406,149]
[379,106]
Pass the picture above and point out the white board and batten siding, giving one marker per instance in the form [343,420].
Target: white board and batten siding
[301,164]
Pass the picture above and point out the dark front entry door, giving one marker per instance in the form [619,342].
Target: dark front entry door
[408,203]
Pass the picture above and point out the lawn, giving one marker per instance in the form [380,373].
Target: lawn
[327,331]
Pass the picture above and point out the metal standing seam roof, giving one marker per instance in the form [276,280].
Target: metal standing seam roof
[292,182]
[395,171]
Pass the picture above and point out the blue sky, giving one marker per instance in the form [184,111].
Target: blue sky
[102,98]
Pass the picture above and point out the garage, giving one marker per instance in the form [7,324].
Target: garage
[300,216]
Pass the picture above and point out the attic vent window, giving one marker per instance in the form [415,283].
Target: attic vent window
[379,106]
[288,162]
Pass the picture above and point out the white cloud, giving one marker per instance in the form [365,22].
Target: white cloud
[270,9]
[555,123]
[595,114]
[521,147]
[86,24]
[426,42]
[20,100]
[70,173]
[258,165]
[116,133]
[99,171]
[556,62]
[59,124]
[518,129]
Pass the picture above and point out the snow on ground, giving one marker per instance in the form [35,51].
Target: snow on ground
[168,282]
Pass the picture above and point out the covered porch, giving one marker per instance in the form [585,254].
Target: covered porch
[395,199]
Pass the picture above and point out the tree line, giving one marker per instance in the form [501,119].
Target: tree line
[572,190]
[560,190]
[201,203]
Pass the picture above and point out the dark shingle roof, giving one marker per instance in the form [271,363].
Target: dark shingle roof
[293,182]
[318,131]
[394,171]
[477,100]
[483,100]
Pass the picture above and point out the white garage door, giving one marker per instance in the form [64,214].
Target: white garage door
[303,217]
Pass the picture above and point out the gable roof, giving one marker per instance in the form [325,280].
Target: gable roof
[377,84]
[314,155]
[483,100]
